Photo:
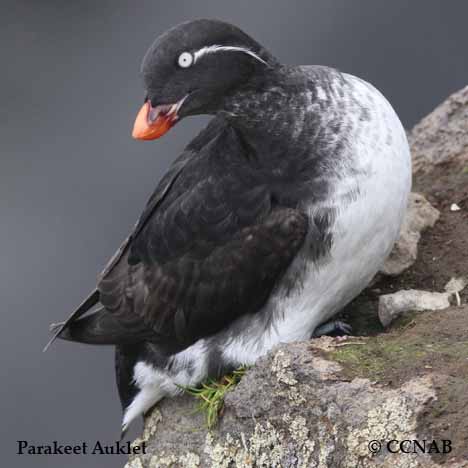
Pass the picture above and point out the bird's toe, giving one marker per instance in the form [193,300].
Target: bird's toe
[333,328]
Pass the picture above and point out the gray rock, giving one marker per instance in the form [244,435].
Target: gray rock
[442,136]
[294,409]
[419,216]
[393,305]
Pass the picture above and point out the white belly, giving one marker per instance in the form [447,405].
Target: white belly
[364,231]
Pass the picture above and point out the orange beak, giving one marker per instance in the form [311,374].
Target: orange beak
[154,122]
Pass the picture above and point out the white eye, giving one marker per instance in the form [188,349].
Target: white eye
[185,59]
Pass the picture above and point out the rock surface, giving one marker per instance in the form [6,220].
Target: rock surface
[320,403]
[420,215]
[299,408]
[442,136]
[323,403]
[393,305]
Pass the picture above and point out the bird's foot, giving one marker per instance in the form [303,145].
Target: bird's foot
[333,328]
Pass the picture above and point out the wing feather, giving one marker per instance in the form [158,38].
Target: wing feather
[209,247]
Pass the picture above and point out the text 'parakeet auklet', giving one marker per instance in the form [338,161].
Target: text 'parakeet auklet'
[272,219]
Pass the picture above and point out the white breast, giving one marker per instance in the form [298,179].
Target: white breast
[364,232]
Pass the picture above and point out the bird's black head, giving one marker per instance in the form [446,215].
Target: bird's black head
[191,68]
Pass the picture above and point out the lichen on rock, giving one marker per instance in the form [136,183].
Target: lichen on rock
[331,428]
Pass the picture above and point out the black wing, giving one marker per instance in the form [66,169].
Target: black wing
[209,248]
[156,198]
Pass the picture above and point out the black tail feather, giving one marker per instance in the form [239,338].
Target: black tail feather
[57,329]
[103,328]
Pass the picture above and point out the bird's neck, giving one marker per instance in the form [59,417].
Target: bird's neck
[269,113]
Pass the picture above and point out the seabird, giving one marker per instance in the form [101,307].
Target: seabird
[272,219]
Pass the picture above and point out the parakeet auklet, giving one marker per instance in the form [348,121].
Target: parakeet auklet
[272,219]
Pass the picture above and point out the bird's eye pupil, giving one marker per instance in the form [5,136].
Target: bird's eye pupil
[185,59]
